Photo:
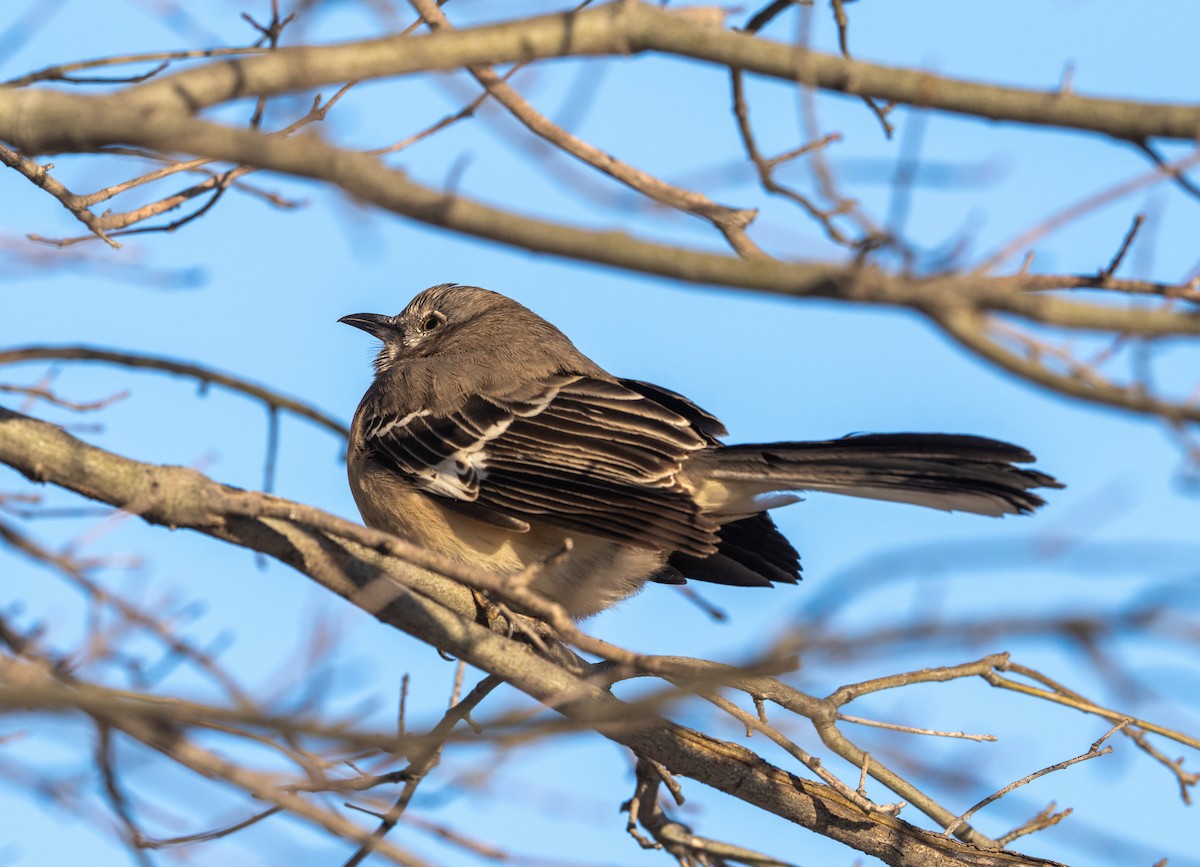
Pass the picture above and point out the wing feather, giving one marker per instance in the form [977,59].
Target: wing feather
[585,454]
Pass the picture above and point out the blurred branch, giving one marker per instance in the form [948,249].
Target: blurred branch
[427,757]
[111,224]
[976,333]
[161,59]
[207,376]
[50,397]
[1090,204]
[630,28]
[174,743]
[363,176]
[731,222]
[40,175]
[766,166]
[76,573]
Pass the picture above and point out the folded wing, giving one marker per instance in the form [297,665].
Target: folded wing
[584,454]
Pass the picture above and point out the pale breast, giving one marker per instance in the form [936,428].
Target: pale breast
[594,575]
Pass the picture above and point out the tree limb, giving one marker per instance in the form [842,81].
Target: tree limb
[625,28]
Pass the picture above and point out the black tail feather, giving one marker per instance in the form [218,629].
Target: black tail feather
[751,553]
[942,471]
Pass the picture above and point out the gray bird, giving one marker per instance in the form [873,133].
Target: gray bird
[487,437]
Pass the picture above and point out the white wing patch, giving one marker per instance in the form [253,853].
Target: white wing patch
[383,426]
[458,474]
[447,455]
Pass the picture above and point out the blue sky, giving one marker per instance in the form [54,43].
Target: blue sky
[257,291]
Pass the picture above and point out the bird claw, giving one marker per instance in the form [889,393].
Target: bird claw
[533,630]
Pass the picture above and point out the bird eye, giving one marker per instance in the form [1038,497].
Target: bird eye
[432,322]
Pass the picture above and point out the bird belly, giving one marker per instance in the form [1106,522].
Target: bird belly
[593,575]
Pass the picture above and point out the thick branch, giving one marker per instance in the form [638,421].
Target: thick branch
[92,121]
[631,28]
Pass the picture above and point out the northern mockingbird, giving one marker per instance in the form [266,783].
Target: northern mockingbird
[489,438]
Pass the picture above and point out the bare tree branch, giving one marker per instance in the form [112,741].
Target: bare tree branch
[629,28]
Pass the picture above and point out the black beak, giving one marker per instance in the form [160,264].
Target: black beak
[375,324]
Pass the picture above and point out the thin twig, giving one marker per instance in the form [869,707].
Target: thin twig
[51,397]
[1044,819]
[60,72]
[40,176]
[428,758]
[914,731]
[731,222]
[25,354]
[1092,753]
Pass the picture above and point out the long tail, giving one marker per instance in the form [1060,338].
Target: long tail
[942,471]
